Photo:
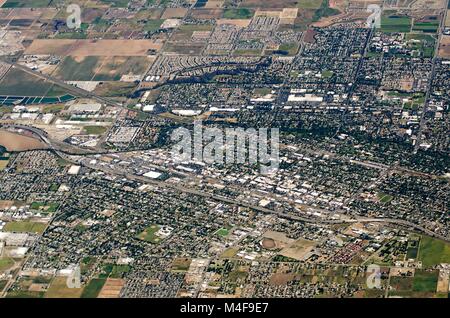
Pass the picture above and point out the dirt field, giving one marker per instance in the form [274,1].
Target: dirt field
[206,13]
[427,4]
[16,142]
[211,4]
[279,279]
[309,36]
[64,47]
[90,14]
[264,13]
[58,289]
[279,239]
[238,22]
[444,47]
[299,249]
[112,288]
[353,4]
[443,282]
[447,20]
[6,204]
[289,13]
[170,13]
[268,243]
[269,4]
[26,13]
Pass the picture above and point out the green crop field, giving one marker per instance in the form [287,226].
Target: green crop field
[430,26]
[82,69]
[242,13]
[425,281]
[24,294]
[395,23]
[26,3]
[399,283]
[19,83]
[153,25]
[117,3]
[324,11]
[6,263]
[309,4]
[25,226]
[93,288]
[433,251]
[113,68]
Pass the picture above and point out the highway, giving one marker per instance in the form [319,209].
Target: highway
[63,153]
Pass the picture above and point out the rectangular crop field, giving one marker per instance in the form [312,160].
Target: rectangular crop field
[25,226]
[64,47]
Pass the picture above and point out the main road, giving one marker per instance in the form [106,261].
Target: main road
[67,155]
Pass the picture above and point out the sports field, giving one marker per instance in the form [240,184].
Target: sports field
[149,234]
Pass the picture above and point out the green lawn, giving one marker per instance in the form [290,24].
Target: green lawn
[48,207]
[433,251]
[119,270]
[223,232]
[327,74]
[289,48]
